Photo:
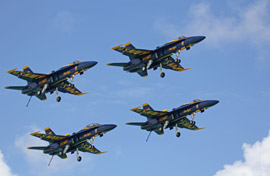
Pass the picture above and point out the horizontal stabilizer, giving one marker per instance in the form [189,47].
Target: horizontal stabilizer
[38,148]
[118,64]
[135,123]
[16,87]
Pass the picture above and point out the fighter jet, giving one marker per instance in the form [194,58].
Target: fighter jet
[60,145]
[39,84]
[157,121]
[142,60]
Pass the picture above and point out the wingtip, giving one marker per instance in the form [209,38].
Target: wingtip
[34,133]
[10,71]
[133,109]
[109,63]
[83,93]
[117,47]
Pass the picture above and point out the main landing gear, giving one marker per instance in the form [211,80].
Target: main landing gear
[58,98]
[178,134]
[79,158]
[177,60]
[192,122]
[162,74]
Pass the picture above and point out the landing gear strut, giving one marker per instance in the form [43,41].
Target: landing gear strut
[162,74]
[192,122]
[58,98]
[178,134]
[79,158]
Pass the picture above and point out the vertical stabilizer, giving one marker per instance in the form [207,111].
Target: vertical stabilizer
[146,106]
[49,131]
[26,69]
[130,46]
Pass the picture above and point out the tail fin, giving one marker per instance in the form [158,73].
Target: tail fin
[130,46]
[49,131]
[26,69]
[146,106]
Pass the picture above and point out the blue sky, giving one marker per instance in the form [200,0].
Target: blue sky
[231,65]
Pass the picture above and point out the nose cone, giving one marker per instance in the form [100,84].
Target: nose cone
[195,39]
[211,102]
[109,127]
[88,64]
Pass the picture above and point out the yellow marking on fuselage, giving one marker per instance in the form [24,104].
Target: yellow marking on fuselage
[146,57]
[172,48]
[95,130]
[42,81]
[64,142]
[188,110]
[66,73]
[163,118]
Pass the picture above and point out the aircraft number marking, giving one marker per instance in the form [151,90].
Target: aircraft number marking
[172,48]
[87,134]
[66,73]
[188,110]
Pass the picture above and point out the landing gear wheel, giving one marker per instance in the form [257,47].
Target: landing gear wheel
[81,73]
[58,99]
[162,74]
[143,69]
[202,110]
[178,134]
[178,61]
[39,92]
[79,158]
[192,123]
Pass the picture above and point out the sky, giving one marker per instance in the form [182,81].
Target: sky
[231,65]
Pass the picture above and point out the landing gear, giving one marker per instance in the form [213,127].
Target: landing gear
[79,158]
[58,98]
[81,73]
[192,122]
[177,61]
[162,74]
[202,110]
[71,85]
[178,134]
[39,92]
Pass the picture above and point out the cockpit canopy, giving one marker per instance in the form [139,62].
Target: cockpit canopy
[92,125]
[76,62]
[197,100]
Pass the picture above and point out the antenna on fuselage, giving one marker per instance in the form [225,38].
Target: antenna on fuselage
[148,135]
[50,160]
[28,101]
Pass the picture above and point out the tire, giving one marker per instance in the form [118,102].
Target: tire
[58,99]
[79,158]
[178,134]
[162,75]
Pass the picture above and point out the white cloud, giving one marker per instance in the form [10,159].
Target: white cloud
[249,24]
[256,161]
[38,160]
[4,168]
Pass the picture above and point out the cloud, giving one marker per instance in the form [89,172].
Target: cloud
[64,21]
[256,161]
[38,160]
[249,24]
[4,168]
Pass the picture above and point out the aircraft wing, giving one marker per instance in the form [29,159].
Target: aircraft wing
[142,73]
[28,76]
[185,123]
[131,52]
[48,138]
[149,113]
[86,147]
[171,64]
[67,87]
